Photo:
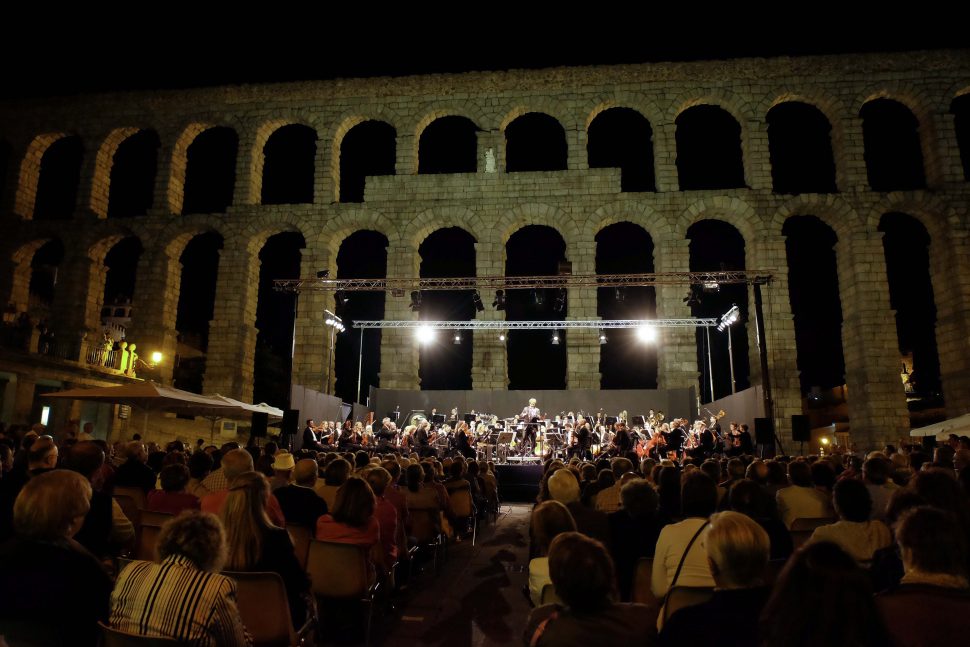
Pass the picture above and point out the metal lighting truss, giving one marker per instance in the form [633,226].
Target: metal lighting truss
[540,325]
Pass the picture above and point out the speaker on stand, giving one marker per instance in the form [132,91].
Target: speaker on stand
[801,431]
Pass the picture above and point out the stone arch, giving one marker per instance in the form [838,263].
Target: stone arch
[22,258]
[830,106]
[351,220]
[172,240]
[535,214]
[634,101]
[433,111]
[262,131]
[734,104]
[555,109]
[186,134]
[342,125]
[103,161]
[732,210]
[100,245]
[429,221]
[831,209]
[936,216]
[641,214]
[255,235]
[29,175]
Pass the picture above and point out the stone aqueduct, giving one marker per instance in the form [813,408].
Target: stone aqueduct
[578,202]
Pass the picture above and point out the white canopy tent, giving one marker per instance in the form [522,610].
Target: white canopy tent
[959,426]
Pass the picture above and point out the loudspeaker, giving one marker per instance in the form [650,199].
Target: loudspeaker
[764,431]
[291,422]
[801,431]
[260,420]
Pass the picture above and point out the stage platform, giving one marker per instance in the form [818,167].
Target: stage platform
[518,483]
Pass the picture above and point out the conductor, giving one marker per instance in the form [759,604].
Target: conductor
[530,415]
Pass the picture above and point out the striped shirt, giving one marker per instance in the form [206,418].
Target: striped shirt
[177,600]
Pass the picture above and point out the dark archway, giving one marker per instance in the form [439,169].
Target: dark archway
[197,295]
[449,145]
[278,259]
[906,244]
[709,149]
[535,142]
[445,364]
[622,138]
[625,361]
[362,255]
[894,157]
[716,245]
[121,262]
[960,108]
[534,362]
[813,288]
[210,171]
[60,175]
[800,145]
[131,191]
[43,276]
[369,148]
[6,154]
[288,165]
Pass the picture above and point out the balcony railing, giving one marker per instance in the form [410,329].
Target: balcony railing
[32,340]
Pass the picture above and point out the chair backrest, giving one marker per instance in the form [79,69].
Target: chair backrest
[130,507]
[263,607]
[810,523]
[461,502]
[148,531]
[338,570]
[549,596]
[136,493]
[425,524]
[115,638]
[300,536]
[641,591]
[686,596]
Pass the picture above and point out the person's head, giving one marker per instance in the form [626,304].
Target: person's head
[200,464]
[85,458]
[305,472]
[800,474]
[776,473]
[354,504]
[361,459]
[712,469]
[196,536]
[605,479]
[876,470]
[135,451]
[823,475]
[735,469]
[270,448]
[961,459]
[621,466]
[393,468]
[581,571]
[244,518]
[378,479]
[52,506]
[737,550]
[89,428]
[337,471]
[748,498]
[236,462]
[932,541]
[549,519]
[414,476]
[639,498]
[822,597]
[698,495]
[563,487]
[42,454]
[174,478]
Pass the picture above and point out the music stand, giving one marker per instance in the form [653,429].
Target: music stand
[610,420]
[469,417]
[438,419]
[638,421]
[505,438]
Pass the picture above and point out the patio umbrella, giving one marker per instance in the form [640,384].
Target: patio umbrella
[959,426]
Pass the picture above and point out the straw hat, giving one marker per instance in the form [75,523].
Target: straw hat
[283,461]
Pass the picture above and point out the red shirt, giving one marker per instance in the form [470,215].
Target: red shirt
[171,502]
[387,517]
[341,533]
[213,503]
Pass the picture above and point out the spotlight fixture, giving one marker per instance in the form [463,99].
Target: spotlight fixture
[555,338]
[538,297]
[341,298]
[619,295]
[647,334]
[457,339]
[477,300]
[712,286]
[561,300]
[499,303]
[602,336]
[424,334]
[322,274]
[729,318]
[692,299]
[501,336]
[415,300]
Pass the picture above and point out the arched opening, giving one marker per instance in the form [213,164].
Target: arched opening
[716,246]
[362,255]
[447,363]
[960,108]
[122,267]
[709,149]
[279,259]
[534,361]
[43,279]
[449,145]
[906,244]
[622,138]
[210,171]
[288,165]
[60,175]
[133,169]
[625,361]
[894,157]
[535,142]
[369,148]
[813,288]
[800,146]
[197,295]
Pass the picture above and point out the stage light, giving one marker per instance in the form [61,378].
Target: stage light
[729,318]
[499,302]
[602,336]
[477,300]
[647,334]
[341,298]
[619,295]
[156,357]
[424,334]
[712,286]
[555,338]
[538,297]
[561,300]
[501,336]
[322,274]
[457,338]
[415,301]
[692,299]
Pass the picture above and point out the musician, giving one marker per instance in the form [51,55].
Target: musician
[622,440]
[462,442]
[310,438]
[347,440]
[531,415]
[675,437]
[744,440]
[707,441]
[422,440]
[582,440]
[385,436]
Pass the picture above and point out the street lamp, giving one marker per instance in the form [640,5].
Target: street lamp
[335,324]
[728,319]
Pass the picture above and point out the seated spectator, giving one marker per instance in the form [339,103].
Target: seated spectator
[549,519]
[604,479]
[105,527]
[200,464]
[737,553]
[801,500]
[352,520]
[173,498]
[564,488]
[456,477]
[876,473]
[52,590]
[854,533]
[135,472]
[582,575]
[379,480]
[183,597]
[255,544]
[336,474]
[668,489]
[39,456]
[608,499]
[932,603]
[283,466]
[216,480]
[234,463]
[299,502]
[634,530]
[264,464]
[822,597]
[749,498]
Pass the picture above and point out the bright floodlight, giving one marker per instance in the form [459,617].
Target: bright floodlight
[425,334]
[156,357]
[647,334]
[501,336]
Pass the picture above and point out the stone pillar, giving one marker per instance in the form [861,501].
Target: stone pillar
[232,331]
[169,191]
[77,304]
[249,171]
[15,280]
[399,352]
[94,183]
[155,306]
[312,341]
[489,356]
[582,345]
[324,191]
[407,155]
[853,175]
[576,158]
[677,351]
[9,181]
[950,272]
[665,156]
[24,400]
[771,257]
[876,399]
[757,158]
[950,171]
[490,140]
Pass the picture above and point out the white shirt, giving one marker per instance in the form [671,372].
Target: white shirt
[538,578]
[800,502]
[859,539]
[671,544]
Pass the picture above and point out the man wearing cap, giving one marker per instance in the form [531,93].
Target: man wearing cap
[283,465]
